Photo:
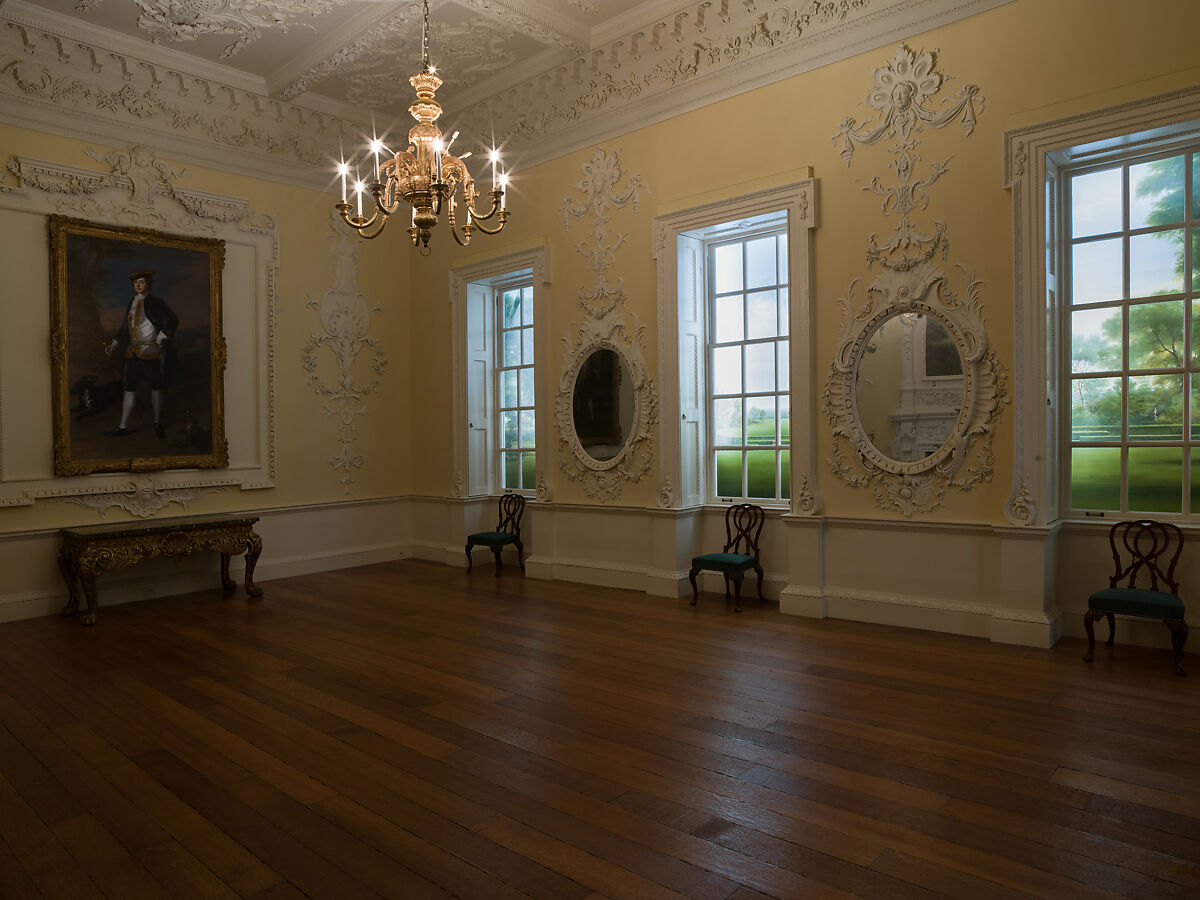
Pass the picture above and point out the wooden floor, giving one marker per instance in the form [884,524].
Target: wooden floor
[407,730]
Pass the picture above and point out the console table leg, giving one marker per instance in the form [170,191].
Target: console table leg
[66,565]
[252,554]
[89,590]
[226,582]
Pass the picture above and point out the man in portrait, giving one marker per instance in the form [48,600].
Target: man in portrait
[144,341]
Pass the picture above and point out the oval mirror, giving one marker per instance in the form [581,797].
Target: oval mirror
[909,387]
[602,404]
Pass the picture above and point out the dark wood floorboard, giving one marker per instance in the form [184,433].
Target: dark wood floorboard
[407,730]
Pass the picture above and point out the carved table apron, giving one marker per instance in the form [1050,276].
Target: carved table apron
[89,550]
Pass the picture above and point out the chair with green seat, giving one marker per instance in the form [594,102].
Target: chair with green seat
[1148,546]
[743,525]
[508,531]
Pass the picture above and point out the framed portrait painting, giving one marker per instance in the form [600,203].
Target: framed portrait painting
[137,354]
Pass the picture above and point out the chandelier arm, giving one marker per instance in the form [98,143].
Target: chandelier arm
[358,223]
[362,230]
[496,230]
[483,217]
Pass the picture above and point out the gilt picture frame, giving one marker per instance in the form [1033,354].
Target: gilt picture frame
[137,377]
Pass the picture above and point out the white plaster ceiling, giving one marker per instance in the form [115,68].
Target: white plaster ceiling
[353,57]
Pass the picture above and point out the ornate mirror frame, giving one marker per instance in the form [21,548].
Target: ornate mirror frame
[603,479]
[916,485]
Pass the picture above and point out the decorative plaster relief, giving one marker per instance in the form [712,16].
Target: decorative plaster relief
[598,184]
[140,189]
[186,20]
[346,318]
[909,287]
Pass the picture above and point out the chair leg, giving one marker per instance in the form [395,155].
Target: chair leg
[759,570]
[726,577]
[737,592]
[469,557]
[521,555]
[1089,619]
[496,553]
[1179,634]
[1112,628]
[692,578]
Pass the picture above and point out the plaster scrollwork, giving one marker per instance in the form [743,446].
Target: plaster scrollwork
[604,479]
[346,319]
[942,423]
[545,493]
[601,195]
[666,494]
[142,500]
[187,20]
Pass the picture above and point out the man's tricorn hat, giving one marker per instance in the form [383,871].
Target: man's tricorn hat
[148,274]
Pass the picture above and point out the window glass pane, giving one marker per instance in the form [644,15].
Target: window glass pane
[730,324]
[527,306]
[1096,340]
[1196,259]
[1196,416]
[526,386]
[762,313]
[729,473]
[1096,409]
[760,473]
[527,346]
[511,301]
[1156,479]
[783,310]
[727,422]
[1096,203]
[1156,335]
[1096,478]
[508,428]
[785,475]
[1156,407]
[1195,186]
[784,376]
[760,420]
[727,370]
[527,428]
[760,367]
[508,382]
[1097,271]
[1156,263]
[783,258]
[510,470]
[760,262]
[528,471]
[785,419]
[1156,192]
[512,348]
[727,268]
[1195,507]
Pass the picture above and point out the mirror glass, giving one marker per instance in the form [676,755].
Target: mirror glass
[602,406]
[909,388]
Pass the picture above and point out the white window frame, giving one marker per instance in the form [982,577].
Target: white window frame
[519,281]
[1032,159]
[474,390]
[681,299]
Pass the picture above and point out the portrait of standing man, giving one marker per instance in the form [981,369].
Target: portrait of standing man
[144,340]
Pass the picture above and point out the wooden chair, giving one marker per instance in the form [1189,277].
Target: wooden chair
[743,525]
[508,531]
[1146,545]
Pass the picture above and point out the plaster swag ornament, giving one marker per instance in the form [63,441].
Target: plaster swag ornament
[943,422]
[186,20]
[599,187]
[346,319]
[142,500]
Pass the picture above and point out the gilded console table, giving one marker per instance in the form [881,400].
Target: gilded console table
[88,550]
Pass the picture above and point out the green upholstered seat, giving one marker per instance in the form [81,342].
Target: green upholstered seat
[725,562]
[743,525]
[492,538]
[1135,602]
[1147,550]
[508,531]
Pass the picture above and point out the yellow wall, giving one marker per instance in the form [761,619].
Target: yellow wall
[1032,60]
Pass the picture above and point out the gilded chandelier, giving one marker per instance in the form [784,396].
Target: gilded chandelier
[425,175]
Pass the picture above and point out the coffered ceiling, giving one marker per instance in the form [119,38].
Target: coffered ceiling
[541,77]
